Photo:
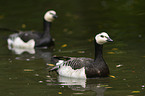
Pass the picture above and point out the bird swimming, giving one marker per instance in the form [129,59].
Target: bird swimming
[30,39]
[83,67]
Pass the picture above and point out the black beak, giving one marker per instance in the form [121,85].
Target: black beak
[55,16]
[109,39]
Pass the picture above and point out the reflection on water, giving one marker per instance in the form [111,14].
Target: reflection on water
[75,27]
[21,50]
[32,54]
[72,81]
[82,85]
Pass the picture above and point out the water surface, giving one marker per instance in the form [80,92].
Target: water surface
[26,74]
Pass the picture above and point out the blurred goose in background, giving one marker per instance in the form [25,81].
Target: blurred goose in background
[31,39]
[85,67]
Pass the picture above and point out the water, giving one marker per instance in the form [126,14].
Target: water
[26,74]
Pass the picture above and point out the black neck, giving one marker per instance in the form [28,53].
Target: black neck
[47,26]
[99,62]
[98,51]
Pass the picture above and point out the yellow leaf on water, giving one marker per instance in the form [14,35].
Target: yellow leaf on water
[112,76]
[114,48]
[23,25]
[108,87]
[1,16]
[59,92]
[65,30]
[28,70]
[81,51]
[135,92]
[111,52]
[50,64]
[64,45]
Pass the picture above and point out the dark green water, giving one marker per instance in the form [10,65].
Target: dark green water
[27,74]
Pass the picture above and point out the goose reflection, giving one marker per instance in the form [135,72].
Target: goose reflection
[72,81]
[20,51]
[32,54]
[84,84]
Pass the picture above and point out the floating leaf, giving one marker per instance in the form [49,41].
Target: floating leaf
[64,45]
[112,76]
[40,81]
[59,92]
[119,65]
[108,87]
[1,16]
[143,86]
[81,51]
[102,85]
[36,74]
[114,48]
[135,92]
[111,52]
[23,25]
[48,76]
[133,71]
[28,70]
[27,59]
[65,30]
[50,64]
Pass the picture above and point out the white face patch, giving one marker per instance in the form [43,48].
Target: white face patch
[102,38]
[67,71]
[49,15]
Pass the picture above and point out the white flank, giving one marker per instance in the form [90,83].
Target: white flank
[19,43]
[67,71]
[60,62]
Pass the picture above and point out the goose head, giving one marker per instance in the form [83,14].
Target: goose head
[102,38]
[50,16]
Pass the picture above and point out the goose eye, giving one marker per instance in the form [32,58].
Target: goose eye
[102,36]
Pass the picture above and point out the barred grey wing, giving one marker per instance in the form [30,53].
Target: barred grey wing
[77,63]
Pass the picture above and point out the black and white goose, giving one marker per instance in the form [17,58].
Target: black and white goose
[85,67]
[31,39]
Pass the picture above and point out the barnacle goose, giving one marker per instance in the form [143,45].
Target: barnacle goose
[85,67]
[32,39]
